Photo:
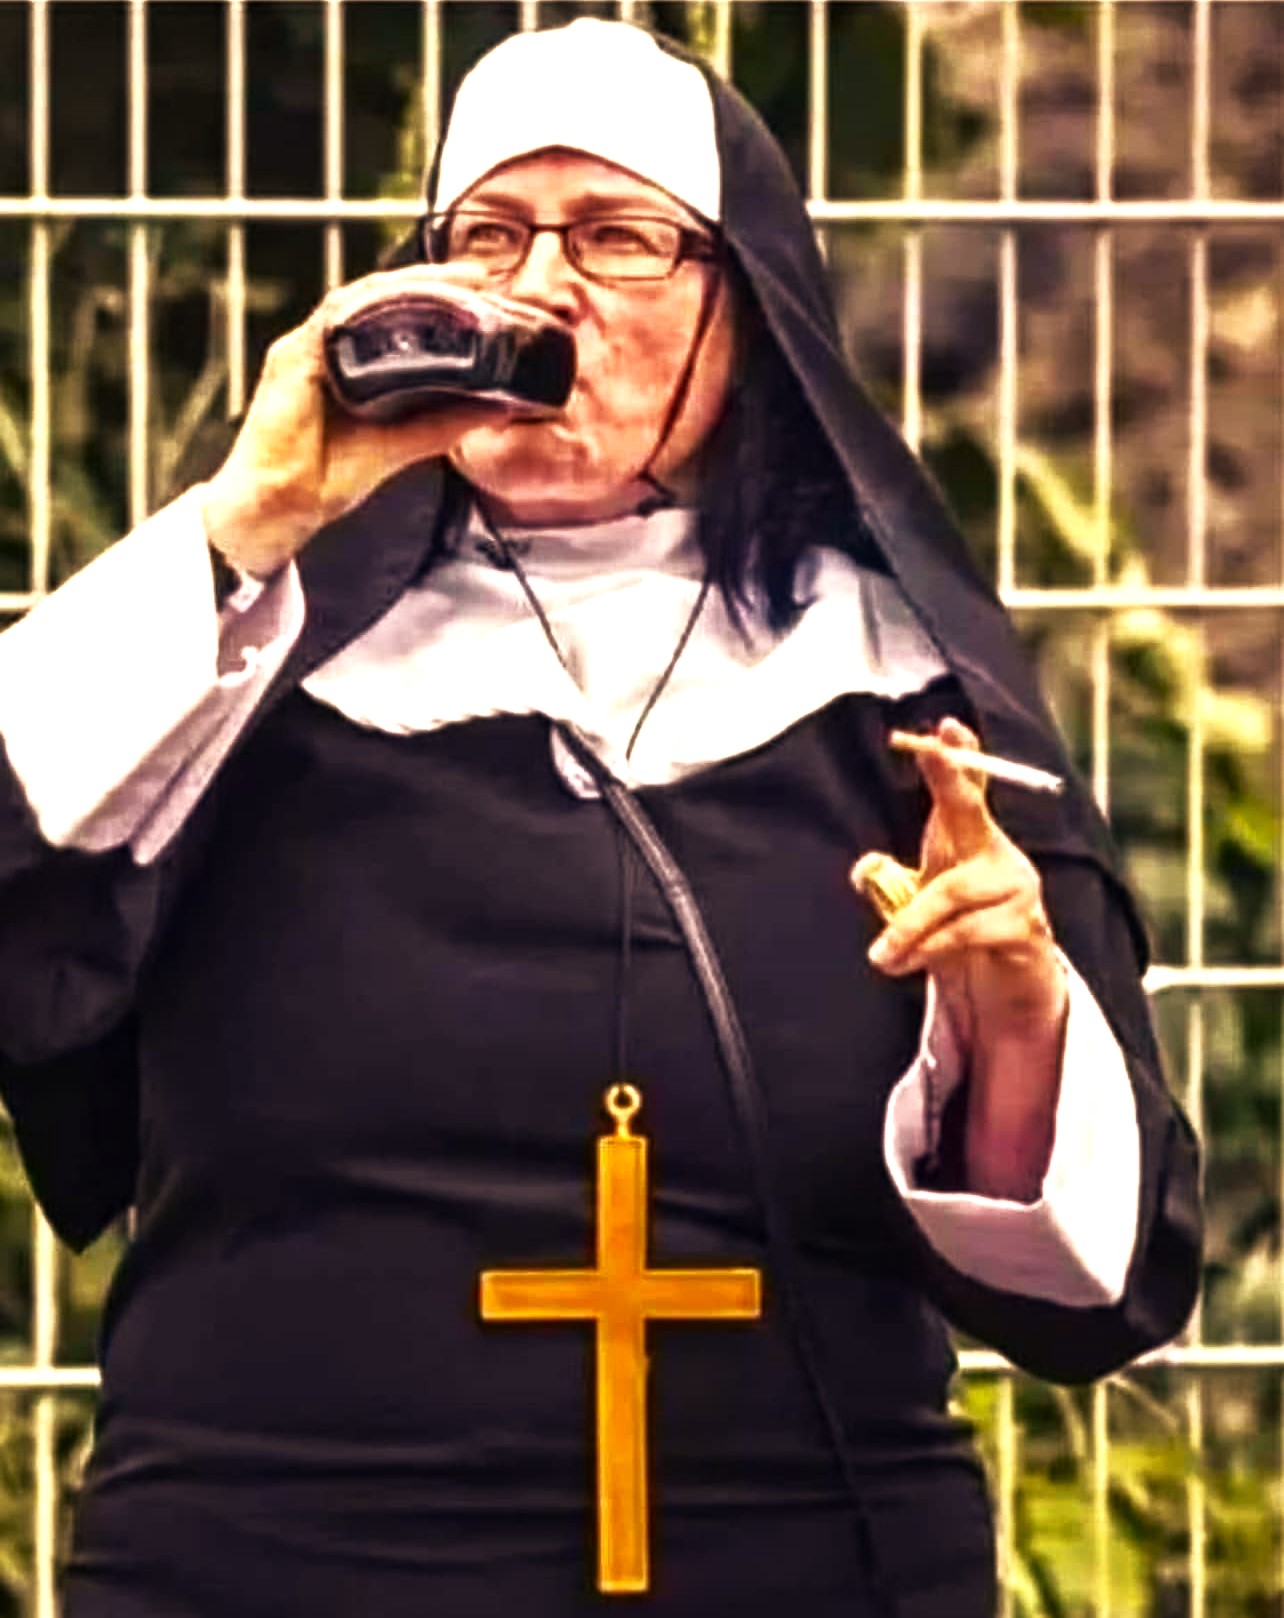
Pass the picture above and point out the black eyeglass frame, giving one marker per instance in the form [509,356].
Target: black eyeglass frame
[693,245]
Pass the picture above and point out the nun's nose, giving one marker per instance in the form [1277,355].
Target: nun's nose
[546,276]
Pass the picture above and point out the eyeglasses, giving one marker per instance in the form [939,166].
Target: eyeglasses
[605,247]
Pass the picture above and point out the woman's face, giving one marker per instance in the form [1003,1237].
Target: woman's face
[633,341]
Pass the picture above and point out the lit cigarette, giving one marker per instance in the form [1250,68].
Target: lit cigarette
[1002,769]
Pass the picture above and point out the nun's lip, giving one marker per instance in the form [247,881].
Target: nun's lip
[528,418]
[558,413]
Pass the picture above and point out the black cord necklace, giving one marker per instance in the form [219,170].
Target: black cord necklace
[638,847]
[508,551]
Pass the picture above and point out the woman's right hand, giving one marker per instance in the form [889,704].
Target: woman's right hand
[299,460]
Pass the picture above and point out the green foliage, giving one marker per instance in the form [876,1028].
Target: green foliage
[1151,1480]
[1162,707]
[1070,16]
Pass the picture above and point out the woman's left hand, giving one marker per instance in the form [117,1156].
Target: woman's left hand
[978,926]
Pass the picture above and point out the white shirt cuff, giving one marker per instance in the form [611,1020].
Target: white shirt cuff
[123,691]
[1074,1244]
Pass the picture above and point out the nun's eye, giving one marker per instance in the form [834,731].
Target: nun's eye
[616,236]
[619,248]
[653,240]
[487,238]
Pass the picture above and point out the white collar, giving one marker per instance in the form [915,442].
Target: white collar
[464,644]
[661,541]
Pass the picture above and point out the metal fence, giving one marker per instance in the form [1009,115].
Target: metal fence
[1196,597]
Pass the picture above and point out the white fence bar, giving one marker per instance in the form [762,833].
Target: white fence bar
[1209,1358]
[1103,396]
[430,78]
[45,1261]
[1009,169]
[1279,886]
[1103,523]
[1196,889]
[49,1378]
[140,376]
[1008,428]
[1165,979]
[1137,598]
[44,1350]
[818,103]
[1100,1519]
[234,309]
[334,136]
[1007,1441]
[38,460]
[1279,892]
[872,211]
[721,56]
[912,250]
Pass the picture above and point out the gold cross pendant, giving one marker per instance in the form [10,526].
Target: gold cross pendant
[619,1297]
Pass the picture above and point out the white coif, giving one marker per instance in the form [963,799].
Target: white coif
[603,88]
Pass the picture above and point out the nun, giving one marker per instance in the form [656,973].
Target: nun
[426,854]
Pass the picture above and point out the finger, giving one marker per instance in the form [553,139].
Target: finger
[347,300]
[294,360]
[1008,927]
[978,884]
[958,795]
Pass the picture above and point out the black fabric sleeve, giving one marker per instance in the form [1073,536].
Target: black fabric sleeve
[1061,1343]
[75,932]
[75,1117]
[75,929]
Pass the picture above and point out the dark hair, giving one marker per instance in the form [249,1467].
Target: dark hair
[773,485]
